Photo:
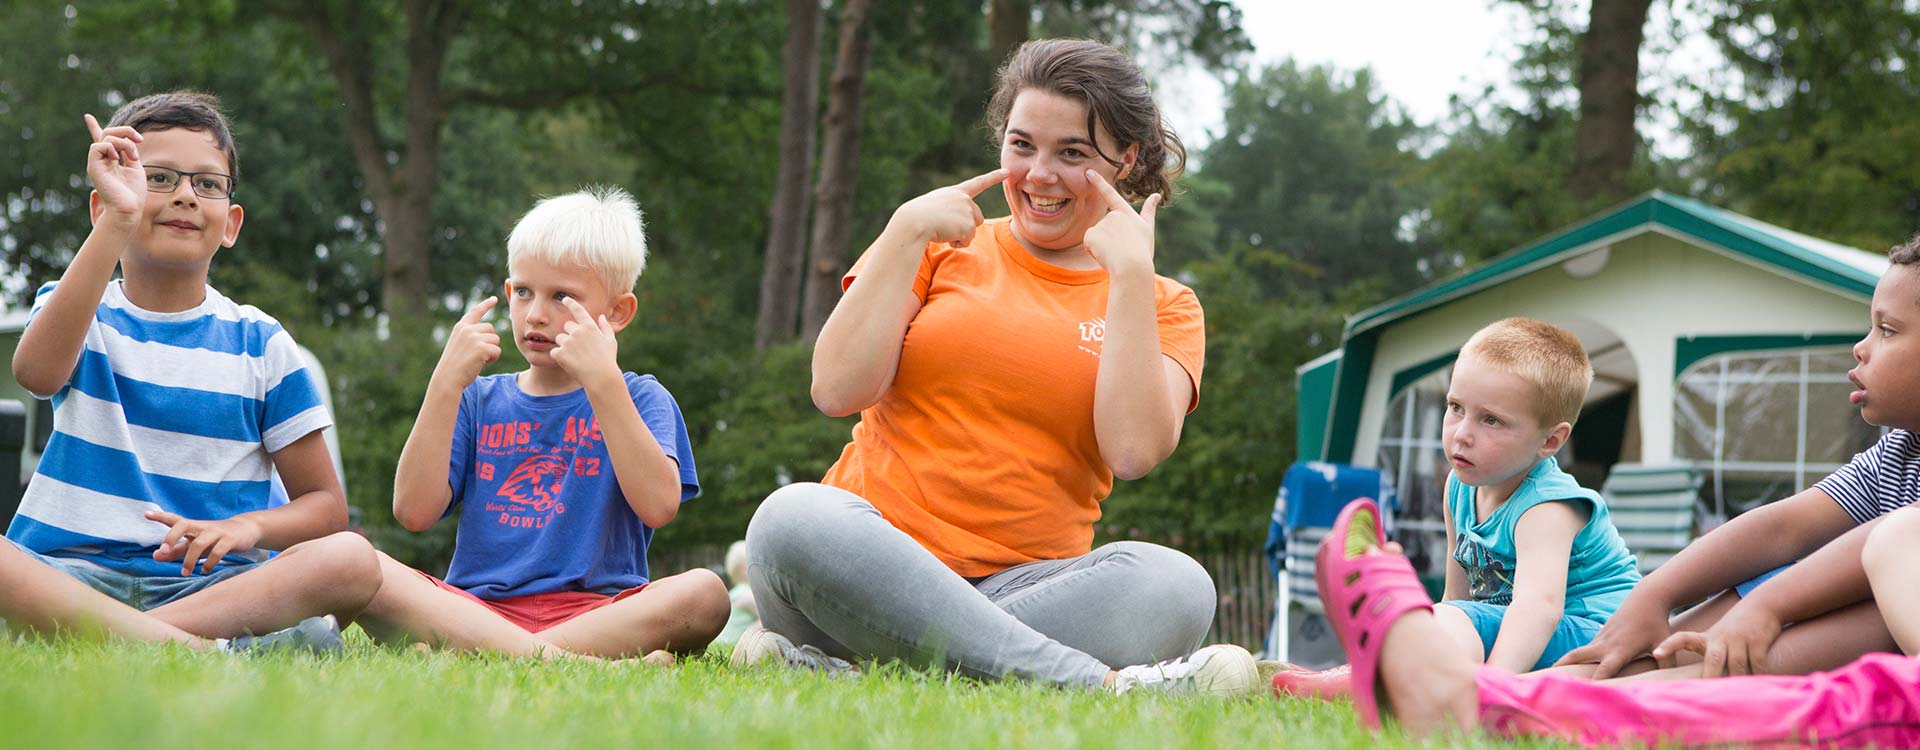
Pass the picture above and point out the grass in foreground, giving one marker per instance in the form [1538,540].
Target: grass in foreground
[73,693]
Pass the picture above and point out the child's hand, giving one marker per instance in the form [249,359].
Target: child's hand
[586,347]
[946,214]
[1629,635]
[471,345]
[114,168]
[1737,644]
[1122,239]
[188,541]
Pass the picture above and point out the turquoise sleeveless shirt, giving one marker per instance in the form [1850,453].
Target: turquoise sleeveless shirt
[1600,570]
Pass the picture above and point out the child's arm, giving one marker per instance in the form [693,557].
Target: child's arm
[1456,576]
[1753,543]
[1830,578]
[420,489]
[648,478]
[50,346]
[1543,540]
[317,508]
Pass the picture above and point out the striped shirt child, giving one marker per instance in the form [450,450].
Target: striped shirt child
[164,411]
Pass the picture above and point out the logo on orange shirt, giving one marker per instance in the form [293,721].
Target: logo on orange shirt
[1093,332]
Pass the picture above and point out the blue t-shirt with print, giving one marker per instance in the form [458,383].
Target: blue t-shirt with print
[540,509]
[1600,570]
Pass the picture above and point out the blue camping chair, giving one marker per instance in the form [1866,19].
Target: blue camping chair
[1310,497]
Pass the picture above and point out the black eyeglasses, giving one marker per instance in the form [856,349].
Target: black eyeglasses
[205,184]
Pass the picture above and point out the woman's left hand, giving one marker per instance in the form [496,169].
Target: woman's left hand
[1123,239]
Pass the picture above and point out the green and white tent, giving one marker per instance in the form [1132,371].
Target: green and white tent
[1719,343]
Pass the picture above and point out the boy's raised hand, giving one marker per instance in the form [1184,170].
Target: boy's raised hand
[114,168]
[946,214]
[586,347]
[189,541]
[471,345]
[1122,239]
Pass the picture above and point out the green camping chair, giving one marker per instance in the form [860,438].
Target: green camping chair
[1653,508]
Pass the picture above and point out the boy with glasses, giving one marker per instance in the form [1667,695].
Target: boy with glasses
[173,408]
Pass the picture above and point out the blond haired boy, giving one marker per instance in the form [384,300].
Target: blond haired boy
[560,472]
[1534,565]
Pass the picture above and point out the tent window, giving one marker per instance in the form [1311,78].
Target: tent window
[1411,455]
[1765,425]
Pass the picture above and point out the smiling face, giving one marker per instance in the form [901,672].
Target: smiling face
[535,289]
[181,230]
[1047,151]
[1888,374]
[1492,432]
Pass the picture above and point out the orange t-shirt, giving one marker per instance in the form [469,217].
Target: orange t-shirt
[983,449]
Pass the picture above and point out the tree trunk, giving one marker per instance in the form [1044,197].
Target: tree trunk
[1604,139]
[402,193]
[780,277]
[407,279]
[1008,24]
[839,169]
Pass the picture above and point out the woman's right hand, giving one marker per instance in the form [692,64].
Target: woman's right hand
[945,214]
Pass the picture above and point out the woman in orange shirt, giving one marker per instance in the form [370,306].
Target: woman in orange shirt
[1005,372]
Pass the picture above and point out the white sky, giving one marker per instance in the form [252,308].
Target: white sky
[1422,52]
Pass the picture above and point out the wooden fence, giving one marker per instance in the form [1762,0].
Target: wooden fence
[1240,577]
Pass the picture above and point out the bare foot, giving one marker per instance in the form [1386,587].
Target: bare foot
[658,659]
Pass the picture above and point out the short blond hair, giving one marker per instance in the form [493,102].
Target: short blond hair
[598,228]
[1540,353]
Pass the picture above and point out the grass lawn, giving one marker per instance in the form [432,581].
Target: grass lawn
[69,693]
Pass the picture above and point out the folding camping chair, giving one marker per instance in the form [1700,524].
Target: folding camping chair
[1653,508]
[1310,497]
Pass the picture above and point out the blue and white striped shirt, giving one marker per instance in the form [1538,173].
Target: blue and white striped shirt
[164,411]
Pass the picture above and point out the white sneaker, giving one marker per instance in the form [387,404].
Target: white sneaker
[1225,670]
[762,646]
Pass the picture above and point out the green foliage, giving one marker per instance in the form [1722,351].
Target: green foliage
[1218,487]
[1318,164]
[1823,133]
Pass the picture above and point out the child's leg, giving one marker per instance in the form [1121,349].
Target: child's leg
[40,598]
[1872,702]
[679,613]
[1827,642]
[336,575]
[410,606]
[1461,627]
[1891,556]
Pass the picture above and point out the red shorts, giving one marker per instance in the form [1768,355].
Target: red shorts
[537,612]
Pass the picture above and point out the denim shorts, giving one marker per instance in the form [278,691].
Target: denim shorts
[137,591]
[1573,632]
[1747,588]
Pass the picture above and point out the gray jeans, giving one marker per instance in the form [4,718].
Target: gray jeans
[828,570]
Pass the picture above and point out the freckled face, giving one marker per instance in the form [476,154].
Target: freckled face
[1490,432]
[1047,152]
